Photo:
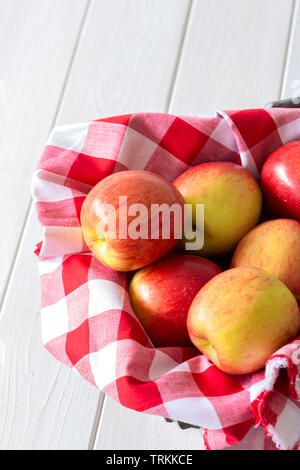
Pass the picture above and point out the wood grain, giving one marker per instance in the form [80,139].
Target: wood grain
[126,60]
[233,56]
[43,404]
[122,428]
[37,40]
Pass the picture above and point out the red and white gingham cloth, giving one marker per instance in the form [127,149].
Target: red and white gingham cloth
[87,320]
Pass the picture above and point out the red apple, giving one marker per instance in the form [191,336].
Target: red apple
[162,293]
[103,213]
[280,180]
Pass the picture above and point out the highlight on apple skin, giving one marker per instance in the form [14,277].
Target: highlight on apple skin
[241,317]
[162,293]
[280,181]
[275,247]
[232,203]
[139,187]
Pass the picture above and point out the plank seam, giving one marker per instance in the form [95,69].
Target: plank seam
[292,31]
[174,79]
[60,100]
[54,120]
[97,425]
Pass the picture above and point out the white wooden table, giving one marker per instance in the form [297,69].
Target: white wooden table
[65,61]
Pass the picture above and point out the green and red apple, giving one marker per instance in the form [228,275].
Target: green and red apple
[232,203]
[241,317]
[275,247]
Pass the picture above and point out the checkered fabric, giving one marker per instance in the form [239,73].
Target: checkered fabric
[87,319]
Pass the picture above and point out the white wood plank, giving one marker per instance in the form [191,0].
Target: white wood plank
[291,83]
[36,46]
[127,59]
[43,404]
[233,56]
[131,430]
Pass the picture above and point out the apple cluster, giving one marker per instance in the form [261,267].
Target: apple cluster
[235,298]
